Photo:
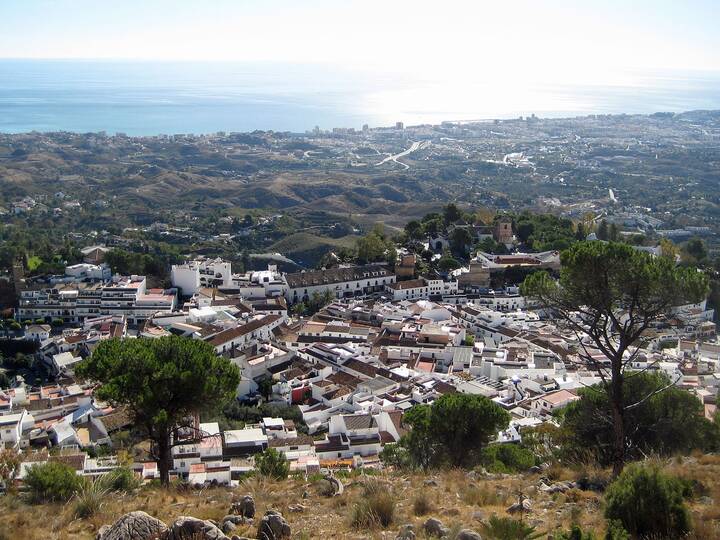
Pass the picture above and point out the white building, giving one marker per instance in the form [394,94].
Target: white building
[75,302]
[341,282]
[196,274]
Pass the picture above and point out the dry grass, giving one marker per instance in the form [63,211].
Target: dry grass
[455,499]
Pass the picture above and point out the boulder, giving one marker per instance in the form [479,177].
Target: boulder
[521,507]
[133,526]
[406,532]
[235,520]
[190,528]
[434,527]
[297,508]
[336,484]
[245,507]
[228,527]
[273,527]
[467,534]
[557,487]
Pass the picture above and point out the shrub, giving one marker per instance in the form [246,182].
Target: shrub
[90,498]
[507,458]
[575,533]
[57,322]
[480,496]
[273,464]
[422,504]
[375,508]
[395,455]
[52,481]
[615,531]
[9,464]
[504,528]
[648,502]
[120,479]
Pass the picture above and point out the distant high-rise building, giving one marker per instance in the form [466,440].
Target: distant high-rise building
[365,128]
[399,125]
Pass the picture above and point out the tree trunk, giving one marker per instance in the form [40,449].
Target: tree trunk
[617,402]
[164,458]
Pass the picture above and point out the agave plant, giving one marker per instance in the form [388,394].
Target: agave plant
[503,528]
[90,499]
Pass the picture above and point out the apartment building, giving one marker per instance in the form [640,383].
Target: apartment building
[75,302]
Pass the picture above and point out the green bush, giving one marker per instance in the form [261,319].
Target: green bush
[395,455]
[52,481]
[507,458]
[90,499]
[575,533]
[615,531]
[273,464]
[120,479]
[57,322]
[504,528]
[648,502]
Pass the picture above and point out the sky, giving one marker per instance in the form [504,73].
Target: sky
[584,39]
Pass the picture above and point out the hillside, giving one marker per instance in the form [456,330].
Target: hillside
[460,500]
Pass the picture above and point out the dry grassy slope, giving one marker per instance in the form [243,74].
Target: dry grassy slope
[455,498]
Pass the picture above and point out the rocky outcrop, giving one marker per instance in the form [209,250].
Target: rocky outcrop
[556,487]
[245,507]
[406,532]
[434,527]
[190,528]
[467,534]
[133,526]
[336,484]
[523,506]
[273,527]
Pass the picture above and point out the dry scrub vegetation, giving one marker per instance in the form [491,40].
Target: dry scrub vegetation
[371,507]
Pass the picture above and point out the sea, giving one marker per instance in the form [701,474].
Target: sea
[151,98]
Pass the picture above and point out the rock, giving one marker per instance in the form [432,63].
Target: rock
[305,495]
[190,528]
[521,507]
[273,527]
[430,483]
[235,520]
[406,532]
[478,515]
[133,526]
[296,508]
[468,534]
[228,527]
[336,484]
[557,487]
[236,537]
[435,527]
[245,507]
[535,469]
[708,501]
[451,512]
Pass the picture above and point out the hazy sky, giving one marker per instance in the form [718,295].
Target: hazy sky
[587,38]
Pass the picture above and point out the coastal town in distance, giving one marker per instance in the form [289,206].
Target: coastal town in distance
[350,276]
